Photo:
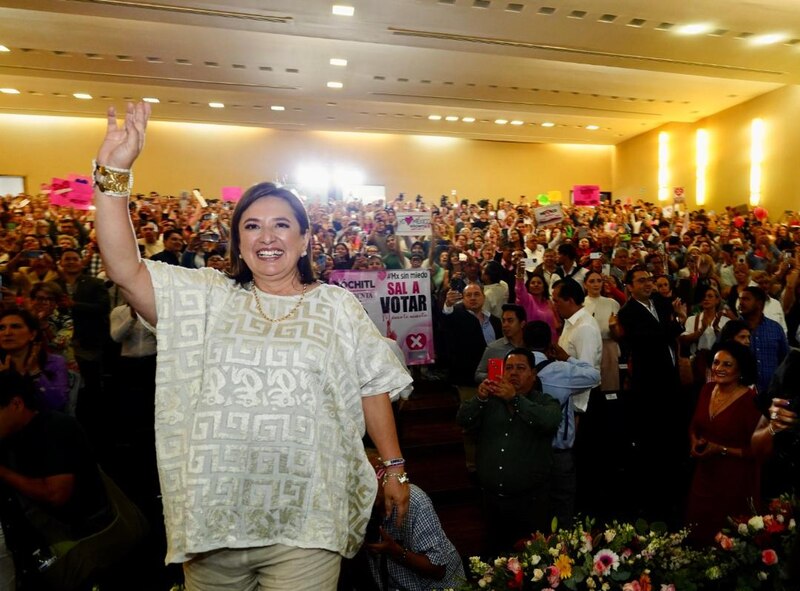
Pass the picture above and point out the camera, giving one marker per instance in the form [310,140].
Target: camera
[458,284]
[209,237]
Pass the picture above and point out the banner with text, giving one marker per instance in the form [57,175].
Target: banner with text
[399,303]
[548,215]
[414,223]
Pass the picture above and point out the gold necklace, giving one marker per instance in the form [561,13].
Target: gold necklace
[285,316]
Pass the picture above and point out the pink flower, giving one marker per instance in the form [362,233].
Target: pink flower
[515,567]
[769,557]
[605,561]
[553,576]
[669,587]
[632,586]
[724,541]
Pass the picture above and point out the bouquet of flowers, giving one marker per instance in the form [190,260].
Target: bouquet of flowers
[752,553]
[620,556]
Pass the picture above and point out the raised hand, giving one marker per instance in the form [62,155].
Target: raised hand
[123,144]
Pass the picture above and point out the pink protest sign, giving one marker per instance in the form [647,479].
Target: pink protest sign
[80,196]
[399,304]
[231,193]
[586,195]
[58,190]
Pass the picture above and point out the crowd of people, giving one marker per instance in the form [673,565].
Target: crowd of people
[682,316]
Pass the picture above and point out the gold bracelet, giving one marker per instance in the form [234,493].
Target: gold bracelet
[114,182]
[402,477]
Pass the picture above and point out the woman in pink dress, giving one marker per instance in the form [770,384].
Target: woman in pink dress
[726,476]
[534,296]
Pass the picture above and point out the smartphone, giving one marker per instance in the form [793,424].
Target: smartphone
[209,237]
[462,257]
[34,254]
[495,369]
[209,216]
[595,255]
[458,284]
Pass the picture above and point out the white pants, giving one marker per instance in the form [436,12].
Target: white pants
[7,572]
[271,568]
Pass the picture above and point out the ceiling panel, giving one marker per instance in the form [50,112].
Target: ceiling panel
[620,66]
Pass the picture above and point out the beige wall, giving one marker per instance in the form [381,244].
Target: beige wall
[181,156]
[728,177]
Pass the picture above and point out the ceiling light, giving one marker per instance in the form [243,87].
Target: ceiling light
[501,121]
[277,108]
[337,61]
[768,39]
[517,122]
[451,118]
[3,49]
[9,90]
[435,117]
[468,119]
[342,10]
[693,29]
[592,127]
[217,105]
[150,99]
[548,124]
[335,85]
[82,95]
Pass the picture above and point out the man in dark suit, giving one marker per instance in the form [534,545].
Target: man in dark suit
[173,248]
[468,330]
[650,325]
[90,305]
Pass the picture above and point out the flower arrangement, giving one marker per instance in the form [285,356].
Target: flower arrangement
[752,553]
[638,557]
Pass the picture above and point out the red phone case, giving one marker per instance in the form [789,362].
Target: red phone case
[495,367]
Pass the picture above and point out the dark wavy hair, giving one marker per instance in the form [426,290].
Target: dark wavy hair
[33,325]
[540,275]
[745,360]
[238,269]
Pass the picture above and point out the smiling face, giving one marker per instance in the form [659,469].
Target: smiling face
[724,369]
[271,242]
[536,286]
[642,285]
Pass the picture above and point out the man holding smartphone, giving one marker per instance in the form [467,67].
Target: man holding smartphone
[514,424]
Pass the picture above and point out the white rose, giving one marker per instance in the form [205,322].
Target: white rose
[762,576]
[756,522]
[743,528]
[535,559]
[791,523]
[537,574]
[481,583]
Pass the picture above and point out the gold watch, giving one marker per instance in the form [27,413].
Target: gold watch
[114,182]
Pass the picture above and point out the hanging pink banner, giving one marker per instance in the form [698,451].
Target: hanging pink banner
[58,190]
[231,194]
[80,196]
[586,195]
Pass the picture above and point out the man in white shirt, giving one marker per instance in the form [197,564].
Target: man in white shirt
[581,335]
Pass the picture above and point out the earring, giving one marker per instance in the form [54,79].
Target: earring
[240,255]
[305,253]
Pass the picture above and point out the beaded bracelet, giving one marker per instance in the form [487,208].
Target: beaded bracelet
[394,462]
